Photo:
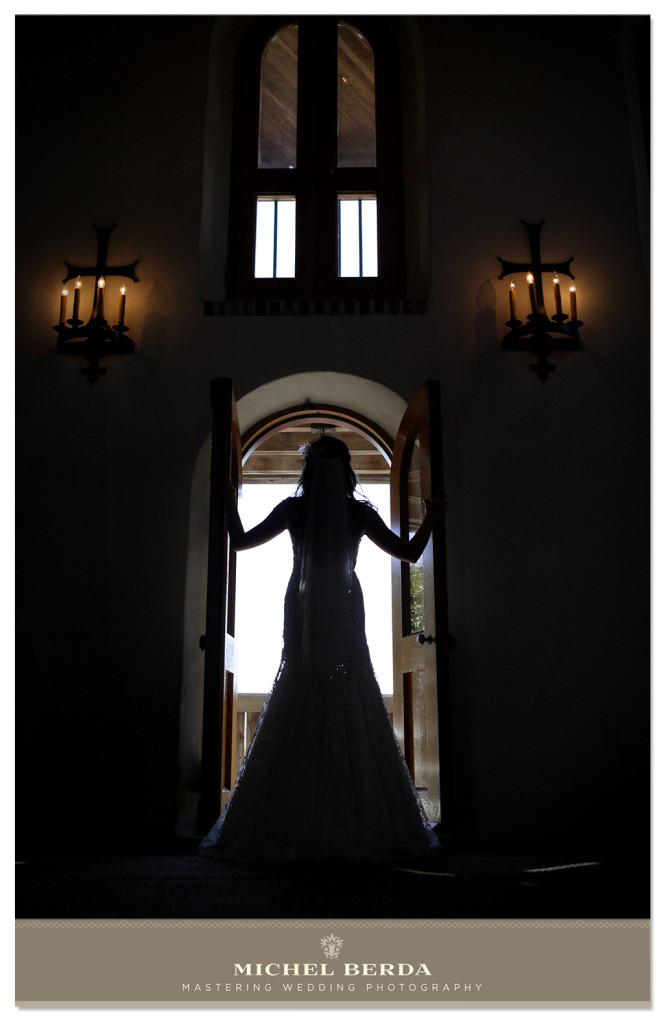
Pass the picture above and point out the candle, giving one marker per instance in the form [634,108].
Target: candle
[512,302]
[531,291]
[572,301]
[63,305]
[556,293]
[77,299]
[101,284]
[123,301]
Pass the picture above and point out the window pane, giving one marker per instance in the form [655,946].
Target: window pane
[275,237]
[369,210]
[286,238]
[356,99]
[277,135]
[264,262]
[358,237]
[349,238]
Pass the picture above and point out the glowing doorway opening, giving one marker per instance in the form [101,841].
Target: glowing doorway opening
[262,577]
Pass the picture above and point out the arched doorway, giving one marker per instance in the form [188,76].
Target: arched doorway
[361,407]
[422,711]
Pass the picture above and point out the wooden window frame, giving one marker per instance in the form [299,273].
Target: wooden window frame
[316,181]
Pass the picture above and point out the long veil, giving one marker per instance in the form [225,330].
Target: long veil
[326,569]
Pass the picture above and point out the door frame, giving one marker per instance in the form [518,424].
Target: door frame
[218,734]
[256,424]
[422,705]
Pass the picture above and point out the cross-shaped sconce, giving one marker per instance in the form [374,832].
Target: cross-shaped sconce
[541,335]
[97,338]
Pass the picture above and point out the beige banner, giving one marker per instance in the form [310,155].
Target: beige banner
[323,963]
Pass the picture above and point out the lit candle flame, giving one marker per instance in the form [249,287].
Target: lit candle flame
[556,293]
[531,290]
[512,301]
[99,312]
[77,298]
[123,303]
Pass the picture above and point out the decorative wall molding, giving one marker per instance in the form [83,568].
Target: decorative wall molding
[317,307]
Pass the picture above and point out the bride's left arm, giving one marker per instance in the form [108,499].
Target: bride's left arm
[406,550]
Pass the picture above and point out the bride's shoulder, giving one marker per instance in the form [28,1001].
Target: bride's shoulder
[363,510]
[290,507]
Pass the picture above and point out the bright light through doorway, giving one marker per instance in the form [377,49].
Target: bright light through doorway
[262,577]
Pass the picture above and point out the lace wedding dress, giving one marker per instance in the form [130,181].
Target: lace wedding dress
[324,776]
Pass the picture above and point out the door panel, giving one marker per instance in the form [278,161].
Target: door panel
[422,716]
[219,694]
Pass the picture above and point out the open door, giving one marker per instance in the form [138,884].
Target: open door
[422,713]
[219,693]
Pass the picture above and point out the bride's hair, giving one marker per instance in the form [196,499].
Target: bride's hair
[325,449]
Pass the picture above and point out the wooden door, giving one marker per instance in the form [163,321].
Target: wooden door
[422,714]
[219,692]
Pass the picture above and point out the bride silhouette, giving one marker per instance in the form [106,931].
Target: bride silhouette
[324,776]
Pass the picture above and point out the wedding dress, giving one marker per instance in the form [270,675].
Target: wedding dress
[324,776]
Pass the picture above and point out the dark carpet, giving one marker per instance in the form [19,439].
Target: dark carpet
[564,883]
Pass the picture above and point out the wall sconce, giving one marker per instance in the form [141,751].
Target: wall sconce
[95,339]
[541,335]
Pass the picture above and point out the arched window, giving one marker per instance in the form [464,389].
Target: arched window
[316,183]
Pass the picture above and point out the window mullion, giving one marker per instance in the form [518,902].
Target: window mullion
[307,236]
[318,124]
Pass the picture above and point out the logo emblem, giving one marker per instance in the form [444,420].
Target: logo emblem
[331,946]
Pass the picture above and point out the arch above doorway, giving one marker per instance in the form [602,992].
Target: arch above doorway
[365,399]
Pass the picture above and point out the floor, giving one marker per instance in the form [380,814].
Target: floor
[581,881]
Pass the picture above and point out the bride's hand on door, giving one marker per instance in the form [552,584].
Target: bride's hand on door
[436,506]
[229,491]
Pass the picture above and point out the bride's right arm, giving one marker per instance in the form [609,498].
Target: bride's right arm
[240,539]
